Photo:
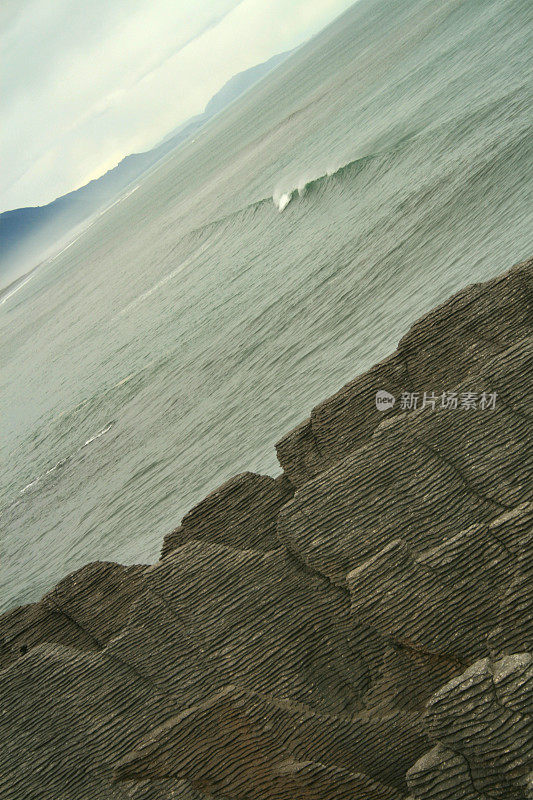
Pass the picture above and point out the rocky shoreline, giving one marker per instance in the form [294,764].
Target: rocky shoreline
[359,627]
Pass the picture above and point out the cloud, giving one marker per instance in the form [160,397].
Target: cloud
[86,84]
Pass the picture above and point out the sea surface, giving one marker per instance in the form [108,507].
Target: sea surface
[383,166]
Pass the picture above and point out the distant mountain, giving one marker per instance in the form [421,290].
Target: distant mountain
[240,83]
[231,90]
[27,235]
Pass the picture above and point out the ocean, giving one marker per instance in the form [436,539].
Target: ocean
[384,165]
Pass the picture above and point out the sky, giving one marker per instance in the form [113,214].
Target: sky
[85,84]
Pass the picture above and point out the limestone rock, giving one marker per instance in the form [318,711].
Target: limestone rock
[84,610]
[242,745]
[514,631]
[393,487]
[438,352]
[240,513]
[298,454]
[483,725]
[207,613]
[218,615]
[456,590]
[66,715]
[421,477]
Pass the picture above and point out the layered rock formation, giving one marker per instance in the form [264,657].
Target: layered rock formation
[357,628]
[482,722]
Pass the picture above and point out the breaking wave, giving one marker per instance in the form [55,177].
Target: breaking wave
[306,184]
[282,201]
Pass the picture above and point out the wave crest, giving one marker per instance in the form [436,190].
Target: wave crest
[282,200]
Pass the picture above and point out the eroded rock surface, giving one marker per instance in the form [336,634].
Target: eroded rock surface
[483,723]
[249,745]
[423,476]
[318,635]
[217,615]
[240,513]
[85,610]
[458,588]
[438,352]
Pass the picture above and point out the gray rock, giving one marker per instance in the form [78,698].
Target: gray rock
[245,745]
[483,725]
[421,477]
[438,352]
[240,513]
[457,589]
[84,610]
[219,615]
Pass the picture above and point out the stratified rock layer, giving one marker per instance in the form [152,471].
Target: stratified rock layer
[85,610]
[483,723]
[256,746]
[241,513]
[438,352]
[318,635]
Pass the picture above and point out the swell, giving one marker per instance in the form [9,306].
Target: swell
[507,106]
[307,192]
[306,187]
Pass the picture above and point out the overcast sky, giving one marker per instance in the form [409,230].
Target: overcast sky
[86,83]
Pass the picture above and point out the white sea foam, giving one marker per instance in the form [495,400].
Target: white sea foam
[184,264]
[67,458]
[124,380]
[29,485]
[154,288]
[283,196]
[15,290]
[281,201]
[97,435]
[120,199]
